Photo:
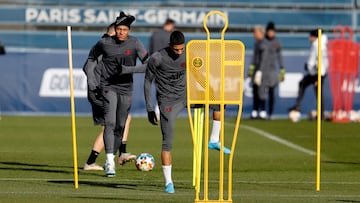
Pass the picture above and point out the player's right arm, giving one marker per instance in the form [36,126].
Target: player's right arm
[149,77]
[89,69]
[90,62]
[152,65]
[312,61]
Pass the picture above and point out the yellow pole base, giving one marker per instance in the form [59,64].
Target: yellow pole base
[215,201]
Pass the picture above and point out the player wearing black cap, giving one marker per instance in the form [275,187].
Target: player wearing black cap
[93,69]
[118,51]
[267,77]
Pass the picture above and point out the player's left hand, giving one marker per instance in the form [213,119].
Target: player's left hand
[251,70]
[98,93]
[258,77]
[282,74]
[152,117]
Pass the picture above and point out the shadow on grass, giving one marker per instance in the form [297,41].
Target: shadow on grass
[22,164]
[18,166]
[341,162]
[98,184]
[129,186]
[120,199]
[132,194]
[352,201]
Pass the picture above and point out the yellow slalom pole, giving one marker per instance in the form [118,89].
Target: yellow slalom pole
[198,129]
[196,117]
[199,148]
[319,115]
[194,151]
[73,126]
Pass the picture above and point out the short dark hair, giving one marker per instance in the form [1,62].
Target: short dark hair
[314,33]
[177,38]
[169,21]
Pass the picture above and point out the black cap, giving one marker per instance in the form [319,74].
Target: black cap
[314,33]
[124,19]
[270,26]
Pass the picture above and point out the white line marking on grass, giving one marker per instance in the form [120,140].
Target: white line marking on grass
[279,140]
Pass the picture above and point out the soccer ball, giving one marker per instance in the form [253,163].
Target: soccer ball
[145,162]
[294,115]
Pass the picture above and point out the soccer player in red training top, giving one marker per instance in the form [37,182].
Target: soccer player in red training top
[167,68]
[118,51]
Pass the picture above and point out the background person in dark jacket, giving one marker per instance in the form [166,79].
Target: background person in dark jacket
[267,77]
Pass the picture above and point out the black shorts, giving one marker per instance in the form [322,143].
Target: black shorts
[214,107]
[97,107]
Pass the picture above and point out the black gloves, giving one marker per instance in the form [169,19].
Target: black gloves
[251,71]
[95,97]
[98,93]
[306,67]
[282,74]
[152,117]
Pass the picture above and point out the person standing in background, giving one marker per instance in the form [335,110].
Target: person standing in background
[311,68]
[267,77]
[160,38]
[258,33]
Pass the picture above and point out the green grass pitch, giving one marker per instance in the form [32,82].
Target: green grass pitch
[274,161]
